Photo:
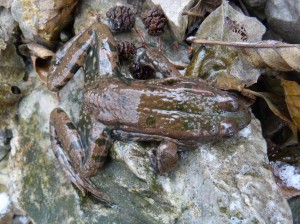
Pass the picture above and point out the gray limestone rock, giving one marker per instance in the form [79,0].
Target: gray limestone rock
[7,25]
[6,209]
[6,3]
[42,19]
[284,18]
[220,182]
[255,3]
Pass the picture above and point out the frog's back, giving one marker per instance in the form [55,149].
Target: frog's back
[182,110]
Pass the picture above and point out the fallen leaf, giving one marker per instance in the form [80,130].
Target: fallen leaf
[41,67]
[33,49]
[41,58]
[222,66]
[200,9]
[273,54]
[61,15]
[277,106]
[292,99]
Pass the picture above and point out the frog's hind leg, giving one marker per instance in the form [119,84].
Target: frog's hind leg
[68,150]
[97,143]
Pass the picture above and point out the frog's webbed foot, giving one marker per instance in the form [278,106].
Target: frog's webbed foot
[157,60]
[69,152]
[165,157]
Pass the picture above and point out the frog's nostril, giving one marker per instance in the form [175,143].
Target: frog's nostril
[15,90]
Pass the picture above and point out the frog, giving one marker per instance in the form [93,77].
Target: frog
[177,112]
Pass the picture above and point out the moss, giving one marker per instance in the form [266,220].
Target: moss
[151,121]
[40,195]
[156,187]
[223,210]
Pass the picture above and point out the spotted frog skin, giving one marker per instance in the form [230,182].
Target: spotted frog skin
[176,111]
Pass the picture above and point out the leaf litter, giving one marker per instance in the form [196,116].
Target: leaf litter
[230,54]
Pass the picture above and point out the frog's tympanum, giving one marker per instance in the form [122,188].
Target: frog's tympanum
[176,111]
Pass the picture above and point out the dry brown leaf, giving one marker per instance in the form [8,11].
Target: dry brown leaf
[200,9]
[33,49]
[40,56]
[60,17]
[41,67]
[274,102]
[277,106]
[274,54]
[292,99]
[279,56]
[220,65]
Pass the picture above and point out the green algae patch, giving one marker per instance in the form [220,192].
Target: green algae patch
[42,195]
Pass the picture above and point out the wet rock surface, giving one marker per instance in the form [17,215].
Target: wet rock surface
[220,182]
[255,3]
[284,18]
[49,18]
[8,25]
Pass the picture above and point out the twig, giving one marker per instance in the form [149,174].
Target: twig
[263,44]
[141,37]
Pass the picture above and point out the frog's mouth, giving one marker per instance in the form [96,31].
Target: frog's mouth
[241,118]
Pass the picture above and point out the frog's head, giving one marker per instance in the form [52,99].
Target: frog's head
[237,118]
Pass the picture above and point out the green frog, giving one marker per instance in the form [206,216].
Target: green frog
[176,111]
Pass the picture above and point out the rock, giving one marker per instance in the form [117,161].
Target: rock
[257,8]
[177,22]
[7,24]
[223,178]
[219,182]
[6,3]
[295,207]
[12,84]
[9,214]
[284,18]
[49,18]
[255,3]
[6,210]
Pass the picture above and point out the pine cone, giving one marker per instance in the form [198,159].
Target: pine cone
[120,18]
[155,21]
[143,72]
[126,49]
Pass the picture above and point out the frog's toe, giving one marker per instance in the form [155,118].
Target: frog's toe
[165,157]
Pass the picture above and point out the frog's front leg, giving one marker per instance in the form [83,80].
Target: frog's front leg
[75,161]
[165,157]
